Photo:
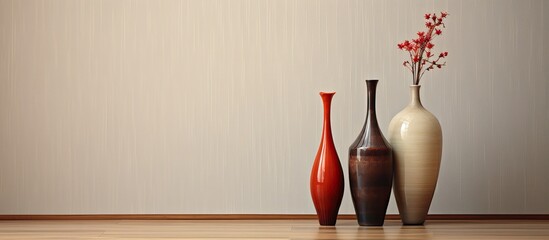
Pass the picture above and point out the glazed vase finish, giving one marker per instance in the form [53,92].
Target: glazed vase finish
[416,137]
[370,167]
[327,181]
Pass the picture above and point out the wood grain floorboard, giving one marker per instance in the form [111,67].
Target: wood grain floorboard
[259,217]
[271,229]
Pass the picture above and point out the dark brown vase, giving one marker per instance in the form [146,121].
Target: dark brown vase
[370,168]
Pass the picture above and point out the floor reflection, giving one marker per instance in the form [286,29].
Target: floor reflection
[351,230]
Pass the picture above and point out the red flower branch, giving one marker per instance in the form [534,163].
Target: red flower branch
[420,49]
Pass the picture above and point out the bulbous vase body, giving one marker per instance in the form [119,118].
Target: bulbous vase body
[416,137]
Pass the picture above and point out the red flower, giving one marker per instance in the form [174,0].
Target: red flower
[419,62]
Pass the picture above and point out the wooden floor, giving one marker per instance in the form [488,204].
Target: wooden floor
[270,229]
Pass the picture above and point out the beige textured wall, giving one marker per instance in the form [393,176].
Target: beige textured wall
[213,106]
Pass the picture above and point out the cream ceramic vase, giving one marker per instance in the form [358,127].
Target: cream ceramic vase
[416,138]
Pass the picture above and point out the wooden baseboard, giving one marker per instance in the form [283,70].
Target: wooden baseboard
[260,217]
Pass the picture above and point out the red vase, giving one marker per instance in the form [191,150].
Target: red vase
[327,181]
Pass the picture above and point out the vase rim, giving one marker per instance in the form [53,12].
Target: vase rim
[413,85]
[327,93]
[372,80]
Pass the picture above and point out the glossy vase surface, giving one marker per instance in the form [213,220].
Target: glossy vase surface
[327,181]
[416,137]
[370,167]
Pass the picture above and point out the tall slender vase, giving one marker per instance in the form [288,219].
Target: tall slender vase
[370,167]
[327,175]
[416,137]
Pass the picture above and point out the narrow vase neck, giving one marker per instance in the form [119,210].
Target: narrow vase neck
[371,86]
[415,100]
[327,102]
